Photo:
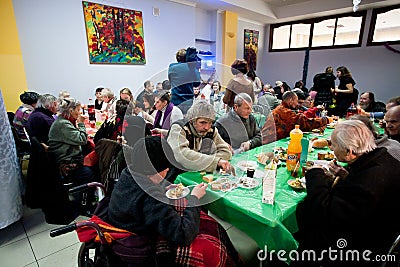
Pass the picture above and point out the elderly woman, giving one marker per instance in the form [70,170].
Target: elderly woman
[178,228]
[359,207]
[29,100]
[66,137]
[166,114]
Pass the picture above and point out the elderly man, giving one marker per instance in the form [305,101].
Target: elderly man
[268,98]
[239,127]
[109,103]
[197,145]
[370,107]
[392,119]
[357,210]
[286,118]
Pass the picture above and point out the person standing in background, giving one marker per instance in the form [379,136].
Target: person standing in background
[148,90]
[98,102]
[323,85]
[257,84]
[239,84]
[345,93]
[184,75]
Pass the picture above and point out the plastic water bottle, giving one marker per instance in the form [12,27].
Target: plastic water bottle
[294,148]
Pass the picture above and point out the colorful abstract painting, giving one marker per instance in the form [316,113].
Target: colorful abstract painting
[114,35]
[251,48]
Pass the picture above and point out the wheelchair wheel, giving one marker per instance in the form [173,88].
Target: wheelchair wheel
[86,255]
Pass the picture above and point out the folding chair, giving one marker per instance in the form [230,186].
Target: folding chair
[258,112]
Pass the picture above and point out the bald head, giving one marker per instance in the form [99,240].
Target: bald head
[290,99]
[392,118]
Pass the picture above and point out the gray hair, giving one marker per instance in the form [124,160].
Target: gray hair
[242,97]
[200,109]
[67,104]
[107,92]
[64,94]
[45,101]
[288,95]
[354,135]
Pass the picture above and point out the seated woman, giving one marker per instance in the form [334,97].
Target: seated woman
[66,137]
[181,234]
[112,129]
[166,114]
[29,100]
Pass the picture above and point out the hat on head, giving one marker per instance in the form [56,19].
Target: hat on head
[29,98]
[200,109]
[149,155]
[278,83]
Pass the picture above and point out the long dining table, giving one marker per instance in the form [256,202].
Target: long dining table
[270,225]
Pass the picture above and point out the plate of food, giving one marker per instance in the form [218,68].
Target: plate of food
[177,192]
[247,164]
[329,156]
[281,153]
[223,184]
[331,125]
[296,184]
[247,182]
[265,158]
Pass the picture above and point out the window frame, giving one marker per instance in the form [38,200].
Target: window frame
[374,16]
[362,14]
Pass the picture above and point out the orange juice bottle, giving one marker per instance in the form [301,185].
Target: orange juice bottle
[294,148]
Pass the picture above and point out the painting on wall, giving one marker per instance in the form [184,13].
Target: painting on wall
[251,48]
[114,35]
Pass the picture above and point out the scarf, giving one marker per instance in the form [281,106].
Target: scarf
[165,124]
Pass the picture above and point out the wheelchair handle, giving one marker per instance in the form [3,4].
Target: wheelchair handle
[85,186]
[63,230]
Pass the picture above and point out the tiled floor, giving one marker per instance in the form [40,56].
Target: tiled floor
[28,243]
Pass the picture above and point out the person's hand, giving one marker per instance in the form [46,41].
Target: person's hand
[245,146]
[199,190]
[81,118]
[156,131]
[121,140]
[225,165]
[337,170]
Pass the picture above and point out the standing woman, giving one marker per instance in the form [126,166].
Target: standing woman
[67,135]
[257,84]
[166,114]
[239,84]
[344,93]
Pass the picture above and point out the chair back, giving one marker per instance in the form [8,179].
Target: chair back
[259,112]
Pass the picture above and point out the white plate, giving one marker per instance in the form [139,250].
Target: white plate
[249,183]
[245,164]
[224,184]
[185,192]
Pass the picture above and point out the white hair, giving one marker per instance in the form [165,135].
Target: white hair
[107,92]
[354,135]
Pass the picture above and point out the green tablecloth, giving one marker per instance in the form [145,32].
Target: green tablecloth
[268,225]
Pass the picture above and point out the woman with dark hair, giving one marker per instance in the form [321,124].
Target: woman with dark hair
[257,84]
[148,102]
[166,114]
[239,84]
[22,114]
[345,93]
[112,129]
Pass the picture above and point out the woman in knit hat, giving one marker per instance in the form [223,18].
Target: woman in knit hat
[176,230]
[29,100]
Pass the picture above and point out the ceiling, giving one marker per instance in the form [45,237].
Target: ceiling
[277,11]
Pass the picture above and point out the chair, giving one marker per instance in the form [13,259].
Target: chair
[259,113]
[23,146]
[393,251]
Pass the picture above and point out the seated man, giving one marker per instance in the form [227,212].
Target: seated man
[286,118]
[109,103]
[196,144]
[346,209]
[392,119]
[239,127]
[174,231]
[268,98]
[370,107]
[309,112]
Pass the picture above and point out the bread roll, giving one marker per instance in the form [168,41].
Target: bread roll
[320,143]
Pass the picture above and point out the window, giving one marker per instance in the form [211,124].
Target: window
[330,32]
[385,26]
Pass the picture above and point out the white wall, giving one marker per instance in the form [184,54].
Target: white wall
[374,68]
[54,47]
